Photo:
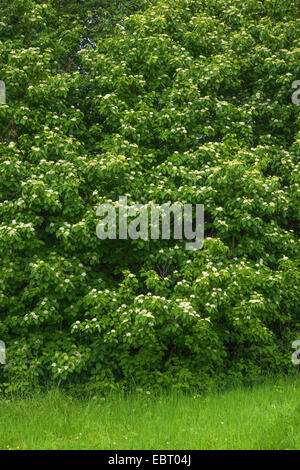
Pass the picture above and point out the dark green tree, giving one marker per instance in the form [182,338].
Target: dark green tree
[164,101]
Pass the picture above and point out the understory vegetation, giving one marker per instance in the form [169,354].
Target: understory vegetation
[264,417]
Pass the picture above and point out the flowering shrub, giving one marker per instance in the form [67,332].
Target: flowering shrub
[182,100]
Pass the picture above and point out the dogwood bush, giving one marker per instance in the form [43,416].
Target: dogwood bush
[160,101]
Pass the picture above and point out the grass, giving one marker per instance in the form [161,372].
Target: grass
[261,417]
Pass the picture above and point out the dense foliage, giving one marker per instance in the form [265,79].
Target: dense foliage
[159,100]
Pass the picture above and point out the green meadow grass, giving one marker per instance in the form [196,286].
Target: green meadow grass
[261,417]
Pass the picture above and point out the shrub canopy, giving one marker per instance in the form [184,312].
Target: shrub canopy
[159,100]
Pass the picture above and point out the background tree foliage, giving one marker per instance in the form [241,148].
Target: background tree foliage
[159,100]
